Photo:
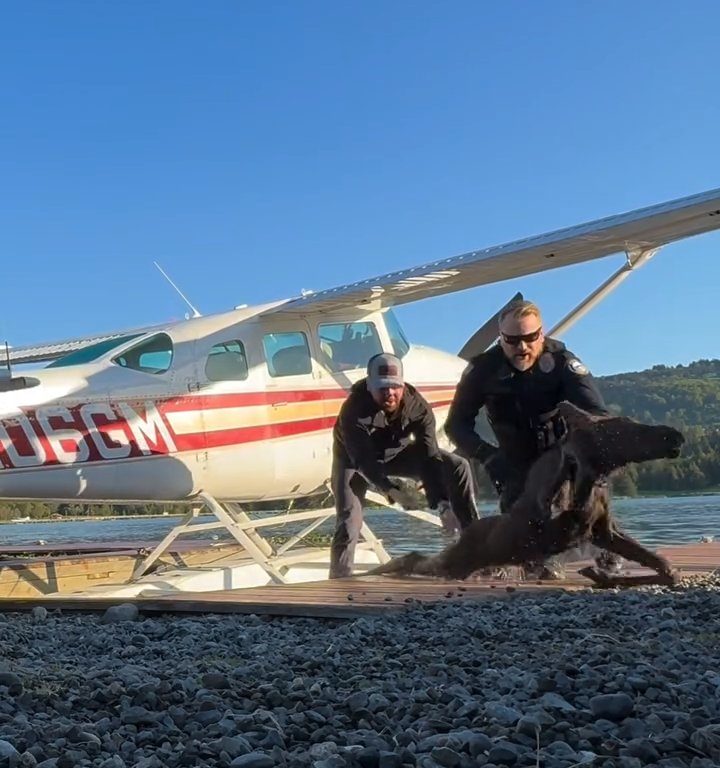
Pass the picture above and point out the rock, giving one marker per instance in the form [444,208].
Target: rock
[479,743]
[215,681]
[120,613]
[612,706]
[253,760]
[357,701]
[503,753]
[504,715]
[8,754]
[528,725]
[555,701]
[446,756]
[392,759]
[561,750]
[12,682]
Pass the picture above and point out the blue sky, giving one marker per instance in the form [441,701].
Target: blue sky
[258,148]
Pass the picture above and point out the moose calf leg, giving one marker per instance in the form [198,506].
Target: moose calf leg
[621,544]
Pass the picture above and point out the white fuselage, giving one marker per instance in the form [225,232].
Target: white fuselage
[239,406]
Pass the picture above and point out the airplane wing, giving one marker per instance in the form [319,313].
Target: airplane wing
[44,352]
[633,232]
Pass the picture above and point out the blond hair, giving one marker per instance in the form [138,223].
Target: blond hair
[519,309]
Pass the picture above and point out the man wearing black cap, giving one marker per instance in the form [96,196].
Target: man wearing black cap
[386,428]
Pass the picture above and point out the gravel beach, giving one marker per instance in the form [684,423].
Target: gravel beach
[625,679]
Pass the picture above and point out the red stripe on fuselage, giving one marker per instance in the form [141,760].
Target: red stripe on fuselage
[87,436]
[239,435]
[269,397]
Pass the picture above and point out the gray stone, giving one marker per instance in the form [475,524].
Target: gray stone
[561,749]
[556,701]
[504,753]
[116,614]
[446,756]
[215,681]
[612,706]
[253,760]
[504,715]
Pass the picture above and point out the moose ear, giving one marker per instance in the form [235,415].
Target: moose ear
[576,417]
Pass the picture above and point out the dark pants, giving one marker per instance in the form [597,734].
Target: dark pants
[444,478]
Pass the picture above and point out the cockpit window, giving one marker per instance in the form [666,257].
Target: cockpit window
[154,355]
[287,354]
[227,362]
[346,346]
[400,344]
[91,352]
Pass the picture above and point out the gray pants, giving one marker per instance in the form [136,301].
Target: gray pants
[444,478]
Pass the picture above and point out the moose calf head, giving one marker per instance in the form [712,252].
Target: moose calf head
[606,443]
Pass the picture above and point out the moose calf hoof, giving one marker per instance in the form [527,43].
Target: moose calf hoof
[669,578]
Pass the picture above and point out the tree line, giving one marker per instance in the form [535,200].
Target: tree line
[686,397]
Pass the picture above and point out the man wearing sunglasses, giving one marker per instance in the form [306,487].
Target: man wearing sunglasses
[520,381]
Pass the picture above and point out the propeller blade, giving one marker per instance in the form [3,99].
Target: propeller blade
[485,334]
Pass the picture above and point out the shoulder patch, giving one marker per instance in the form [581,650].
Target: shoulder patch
[546,363]
[577,367]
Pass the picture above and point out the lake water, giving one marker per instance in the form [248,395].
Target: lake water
[654,521]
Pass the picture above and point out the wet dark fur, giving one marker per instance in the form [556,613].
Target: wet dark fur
[562,507]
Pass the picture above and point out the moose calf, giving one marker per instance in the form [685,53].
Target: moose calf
[562,507]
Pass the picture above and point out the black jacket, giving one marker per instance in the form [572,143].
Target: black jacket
[518,403]
[364,437]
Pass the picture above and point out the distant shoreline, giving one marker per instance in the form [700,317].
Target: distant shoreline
[173,515]
[90,518]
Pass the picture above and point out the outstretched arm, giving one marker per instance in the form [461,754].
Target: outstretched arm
[460,424]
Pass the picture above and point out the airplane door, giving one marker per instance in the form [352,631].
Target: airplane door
[298,427]
[230,398]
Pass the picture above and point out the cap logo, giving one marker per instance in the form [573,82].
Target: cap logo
[388,370]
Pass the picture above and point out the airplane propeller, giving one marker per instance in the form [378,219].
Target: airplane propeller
[485,334]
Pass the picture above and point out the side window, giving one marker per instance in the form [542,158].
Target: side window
[287,354]
[348,345]
[154,355]
[227,362]
[400,344]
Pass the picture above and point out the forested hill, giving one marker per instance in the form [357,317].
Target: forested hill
[684,395]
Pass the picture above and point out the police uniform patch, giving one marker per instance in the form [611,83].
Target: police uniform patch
[577,367]
[546,363]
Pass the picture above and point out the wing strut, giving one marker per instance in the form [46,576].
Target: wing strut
[634,260]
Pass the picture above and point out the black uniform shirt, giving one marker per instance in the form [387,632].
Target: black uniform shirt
[518,402]
[366,439]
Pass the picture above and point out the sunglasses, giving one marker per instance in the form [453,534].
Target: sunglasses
[528,338]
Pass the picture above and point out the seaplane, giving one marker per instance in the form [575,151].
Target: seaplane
[230,409]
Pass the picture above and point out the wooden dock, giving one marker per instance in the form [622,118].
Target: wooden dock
[360,596]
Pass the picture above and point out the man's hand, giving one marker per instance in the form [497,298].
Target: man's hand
[551,432]
[398,495]
[448,518]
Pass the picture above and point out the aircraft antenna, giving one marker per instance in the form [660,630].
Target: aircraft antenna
[7,360]
[195,313]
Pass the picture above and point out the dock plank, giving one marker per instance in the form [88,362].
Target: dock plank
[360,595]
